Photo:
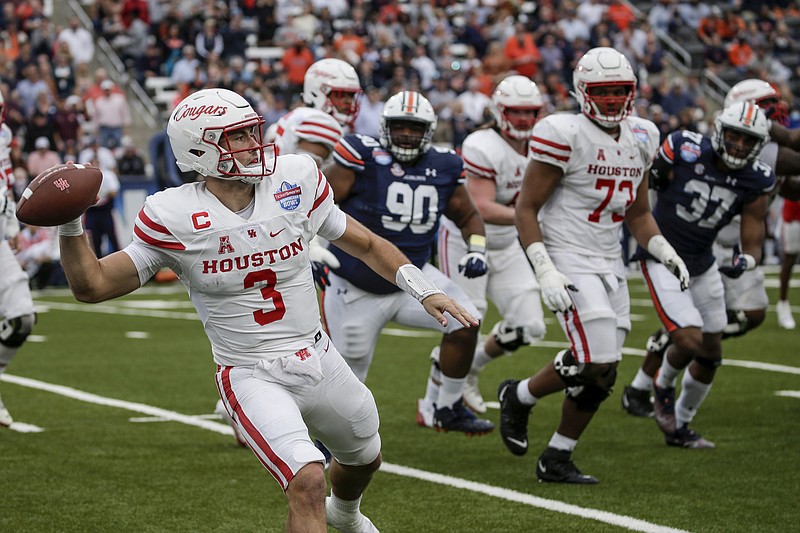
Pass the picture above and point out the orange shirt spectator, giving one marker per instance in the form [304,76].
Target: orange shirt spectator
[620,14]
[296,61]
[523,53]
[740,53]
[349,45]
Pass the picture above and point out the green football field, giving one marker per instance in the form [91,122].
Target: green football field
[114,432]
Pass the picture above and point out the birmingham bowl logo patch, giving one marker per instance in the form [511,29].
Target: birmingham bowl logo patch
[381,157]
[640,133]
[288,196]
[690,152]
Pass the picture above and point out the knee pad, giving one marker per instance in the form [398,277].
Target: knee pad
[511,338]
[14,331]
[599,384]
[568,368]
[708,363]
[737,324]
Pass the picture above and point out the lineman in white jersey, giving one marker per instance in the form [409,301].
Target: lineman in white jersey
[589,174]
[495,159]
[746,299]
[239,242]
[17,315]
[331,93]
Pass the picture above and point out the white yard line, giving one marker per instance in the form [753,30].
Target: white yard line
[788,393]
[627,522]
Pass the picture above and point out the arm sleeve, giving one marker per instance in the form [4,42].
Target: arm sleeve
[549,145]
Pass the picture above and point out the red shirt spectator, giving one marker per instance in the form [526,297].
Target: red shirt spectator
[620,14]
[296,61]
[740,53]
[523,53]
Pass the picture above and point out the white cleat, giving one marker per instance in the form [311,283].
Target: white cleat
[472,394]
[347,522]
[424,414]
[220,410]
[5,416]
[785,319]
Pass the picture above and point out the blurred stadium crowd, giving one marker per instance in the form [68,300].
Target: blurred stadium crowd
[61,106]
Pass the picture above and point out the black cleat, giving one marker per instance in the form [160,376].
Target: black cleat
[459,418]
[513,418]
[637,402]
[686,438]
[664,407]
[556,466]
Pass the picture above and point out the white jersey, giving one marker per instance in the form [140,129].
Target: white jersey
[307,124]
[731,234]
[600,181]
[6,178]
[488,156]
[250,279]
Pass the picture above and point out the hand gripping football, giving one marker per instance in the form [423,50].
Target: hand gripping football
[59,194]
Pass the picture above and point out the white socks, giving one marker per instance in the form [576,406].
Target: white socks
[560,442]
[693,393]
[642,381]
[524,395]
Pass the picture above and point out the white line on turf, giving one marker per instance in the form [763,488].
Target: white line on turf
[788,393]
[22,427]
[497,492]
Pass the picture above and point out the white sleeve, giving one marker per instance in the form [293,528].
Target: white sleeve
[334,225]
[549,144]
[148,260]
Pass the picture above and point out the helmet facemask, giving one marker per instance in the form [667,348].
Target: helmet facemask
[407,138]
[342,104]
[740,133]
[608,110]
[516,103]
[412,112]
[262,156]
[605,86]
[518,122]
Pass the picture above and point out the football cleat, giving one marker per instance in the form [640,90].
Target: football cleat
[347,522]
[424,414]
[472,394]
[658,342]
[664,407]
[223,413]
[637,402]
[785,318]
[684,437]
[556,466]
[459,418]
[5,416]
[513,418]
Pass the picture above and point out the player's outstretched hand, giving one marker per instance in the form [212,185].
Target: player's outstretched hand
[740,263]
[439,303]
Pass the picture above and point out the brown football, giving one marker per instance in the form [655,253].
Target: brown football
[59,194]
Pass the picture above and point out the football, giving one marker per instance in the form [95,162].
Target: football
[59,194]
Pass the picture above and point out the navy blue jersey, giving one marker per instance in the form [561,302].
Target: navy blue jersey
[700,199]
[399,202]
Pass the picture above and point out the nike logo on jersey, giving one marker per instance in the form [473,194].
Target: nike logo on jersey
[520,443]
[274,234]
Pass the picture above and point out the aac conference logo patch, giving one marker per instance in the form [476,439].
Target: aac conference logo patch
[288,196]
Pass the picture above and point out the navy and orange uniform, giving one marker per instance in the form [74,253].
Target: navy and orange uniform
[700,199]
[399,202]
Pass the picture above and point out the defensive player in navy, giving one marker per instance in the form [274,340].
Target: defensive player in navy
[746,299]
[589,174]
[702,184]
[239,241]
[398,186]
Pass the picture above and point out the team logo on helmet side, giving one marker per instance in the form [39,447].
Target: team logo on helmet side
[193,113]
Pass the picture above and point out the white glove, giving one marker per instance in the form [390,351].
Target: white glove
[662,250]
[552,283]
[318,253]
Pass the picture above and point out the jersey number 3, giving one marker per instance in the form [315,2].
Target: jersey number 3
[268,292]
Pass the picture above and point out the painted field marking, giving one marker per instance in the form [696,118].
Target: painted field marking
[627,522]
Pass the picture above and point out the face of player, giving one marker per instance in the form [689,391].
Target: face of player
[244,144]
[407,133]
[738,144]
[521,118]
[609,99]
[344,101]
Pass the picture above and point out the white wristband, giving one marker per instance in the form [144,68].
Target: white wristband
[414,282]
[750,261]
[71,229]
[539,258]
[659,248]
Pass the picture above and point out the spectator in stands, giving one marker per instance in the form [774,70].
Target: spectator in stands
[620,14]
[473,102]
[664,15]
[30,87]
[111,115]
[96,151]
[677,98]
[130,161]
[37,253]
[209,41]
[63,73]
[715,56]
[40,124]
[234,38]
[573,27]
[692,12]
[185,70]
[348,45]
[42,157]
[591,12]
[425,67]
[296,60]
[79,40]
[521,49]
[495,62]
[740,54]
[552,55]
[68,121]
[368,121]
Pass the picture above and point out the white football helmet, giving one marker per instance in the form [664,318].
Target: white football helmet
[746,118]
[516,93]
[405,107]
[199,130]
[604,67]
[762,94]
[332,86]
